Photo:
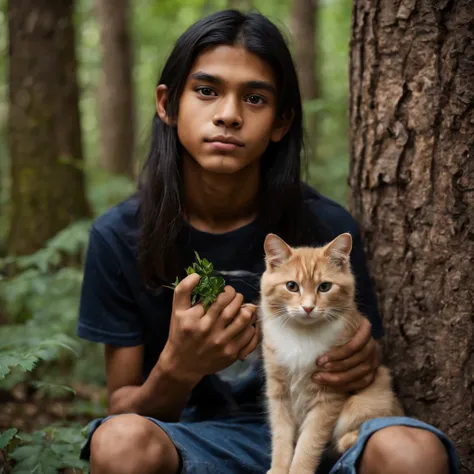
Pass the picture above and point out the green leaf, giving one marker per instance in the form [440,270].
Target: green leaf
[27,452]
[209,286]
[6,437]
[53,389]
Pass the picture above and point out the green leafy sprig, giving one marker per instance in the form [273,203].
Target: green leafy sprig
[209,286]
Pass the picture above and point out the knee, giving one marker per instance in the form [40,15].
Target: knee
[404,450]
[130,444]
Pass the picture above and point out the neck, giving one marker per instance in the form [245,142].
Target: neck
[220,203]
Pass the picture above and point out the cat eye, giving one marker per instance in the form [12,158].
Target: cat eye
[325,286]
[292,286]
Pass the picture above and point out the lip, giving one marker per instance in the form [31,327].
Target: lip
[219,140]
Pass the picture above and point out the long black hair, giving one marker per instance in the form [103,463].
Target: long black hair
[160,189]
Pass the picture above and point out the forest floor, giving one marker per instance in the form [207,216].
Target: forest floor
[29,410]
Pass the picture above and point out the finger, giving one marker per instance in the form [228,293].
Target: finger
[254,310]
[367,353]
[360,384]
[196,312]
[251,346]
[182,293]
[358,341]
[241,321]
[244,338]
[339,379]
[230,312]
[221,302]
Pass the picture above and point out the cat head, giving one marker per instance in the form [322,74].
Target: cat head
[307,285]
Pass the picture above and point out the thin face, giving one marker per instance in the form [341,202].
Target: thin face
[227,111]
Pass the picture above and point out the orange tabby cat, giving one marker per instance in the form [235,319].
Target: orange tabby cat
[307,307]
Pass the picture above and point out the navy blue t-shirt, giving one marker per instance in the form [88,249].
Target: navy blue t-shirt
[116,307]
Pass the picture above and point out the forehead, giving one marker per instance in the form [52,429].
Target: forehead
[233,64]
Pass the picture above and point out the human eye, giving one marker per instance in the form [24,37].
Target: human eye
[206,91]
[256,99]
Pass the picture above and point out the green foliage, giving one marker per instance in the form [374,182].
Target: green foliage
[41,302]
[24,350]
[47,450]
[209,286]
[6,437]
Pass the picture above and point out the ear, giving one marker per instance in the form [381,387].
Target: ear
[276,250]
[281,127]
[161,97]
[339,249]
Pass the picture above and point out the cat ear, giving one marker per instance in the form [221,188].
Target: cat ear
[339,249]
[277,251]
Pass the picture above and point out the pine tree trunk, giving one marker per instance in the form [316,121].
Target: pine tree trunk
[116,103]
[412,180]
[303,24]
[47,179]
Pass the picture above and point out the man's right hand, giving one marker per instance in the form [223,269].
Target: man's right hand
[201,343]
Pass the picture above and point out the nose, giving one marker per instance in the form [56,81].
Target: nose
[308,309]
[228,113]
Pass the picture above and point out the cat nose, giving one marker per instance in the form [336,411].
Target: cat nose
[308,309]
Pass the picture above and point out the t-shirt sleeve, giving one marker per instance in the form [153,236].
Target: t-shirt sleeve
[365,293]
[108,312]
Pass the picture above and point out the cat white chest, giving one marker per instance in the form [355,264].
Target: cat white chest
[298,348]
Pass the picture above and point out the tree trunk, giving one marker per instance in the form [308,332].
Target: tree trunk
[47,180]
[412,180]
[116,105]
[303,24]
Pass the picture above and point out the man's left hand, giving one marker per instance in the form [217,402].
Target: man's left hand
[352,366]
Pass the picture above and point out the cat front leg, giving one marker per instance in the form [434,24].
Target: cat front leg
[282,424]
[283,430]
[315,434]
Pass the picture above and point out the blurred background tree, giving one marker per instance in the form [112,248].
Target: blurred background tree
[47,180]
[115,94]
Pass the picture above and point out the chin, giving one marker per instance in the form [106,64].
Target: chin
[221,164]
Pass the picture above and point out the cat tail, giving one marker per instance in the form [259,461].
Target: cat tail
[377,400]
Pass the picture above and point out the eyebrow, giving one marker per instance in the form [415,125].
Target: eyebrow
[203,76]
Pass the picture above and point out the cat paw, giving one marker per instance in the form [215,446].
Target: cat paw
[347,441]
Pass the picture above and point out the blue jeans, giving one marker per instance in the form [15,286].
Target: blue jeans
[241,445]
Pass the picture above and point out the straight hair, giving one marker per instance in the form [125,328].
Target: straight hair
[160,190]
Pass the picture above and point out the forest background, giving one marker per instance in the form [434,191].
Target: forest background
[70,148]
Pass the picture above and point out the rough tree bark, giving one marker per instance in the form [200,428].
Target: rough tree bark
[412,180]
[116,98]
[47,189]
[303,25]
